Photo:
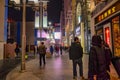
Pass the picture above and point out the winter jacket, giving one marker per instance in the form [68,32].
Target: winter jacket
[75,51]
[97,63]
[42,49]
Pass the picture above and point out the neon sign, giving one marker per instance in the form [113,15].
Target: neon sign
[113,9]
[106,14]
[107,35]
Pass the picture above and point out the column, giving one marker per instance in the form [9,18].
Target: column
[3,26]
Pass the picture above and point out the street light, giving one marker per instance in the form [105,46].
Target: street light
[23,36]
[16,3]
[23,31]
[50,30]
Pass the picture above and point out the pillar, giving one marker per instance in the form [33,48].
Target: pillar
[3,26]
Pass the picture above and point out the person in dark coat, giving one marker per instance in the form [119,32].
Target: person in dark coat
[42,53]
[17,50]
[97,62]
[76,54]
[61,49]
[51,49]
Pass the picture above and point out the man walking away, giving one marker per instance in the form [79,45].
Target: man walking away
[42,52]
[75,54]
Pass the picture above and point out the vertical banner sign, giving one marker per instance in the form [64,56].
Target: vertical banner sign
[107,35]
[37,19]
[44,14]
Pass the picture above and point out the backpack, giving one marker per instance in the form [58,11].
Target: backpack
[42,49]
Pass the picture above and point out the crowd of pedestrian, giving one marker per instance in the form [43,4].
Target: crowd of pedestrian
[99,57]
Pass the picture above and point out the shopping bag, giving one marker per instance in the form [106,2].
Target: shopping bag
[48,55]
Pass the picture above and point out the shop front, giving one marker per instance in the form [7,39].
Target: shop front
[107,25]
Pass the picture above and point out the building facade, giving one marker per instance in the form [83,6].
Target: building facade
[106,23]
[3,27]
[77,22]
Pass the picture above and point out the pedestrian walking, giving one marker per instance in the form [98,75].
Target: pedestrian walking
[57,50]
[97,61]
[17,50]
[51,49]
[61,49]
[76,54]
[42,52]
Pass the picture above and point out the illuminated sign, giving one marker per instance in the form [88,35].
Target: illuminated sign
[107,35]
[77,31]
[115,8]
[16,1]
[37,19]
[57,35]
[45,21]
[42,34]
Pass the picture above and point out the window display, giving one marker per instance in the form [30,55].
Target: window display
[116,35]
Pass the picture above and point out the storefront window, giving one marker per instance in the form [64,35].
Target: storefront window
[116,35]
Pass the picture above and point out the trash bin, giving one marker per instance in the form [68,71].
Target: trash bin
[116,64]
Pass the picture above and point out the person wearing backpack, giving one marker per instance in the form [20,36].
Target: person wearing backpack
[76,54]
[97,69]
[42,52]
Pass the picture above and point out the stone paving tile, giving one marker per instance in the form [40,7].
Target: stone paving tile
[9,64]
[57,68]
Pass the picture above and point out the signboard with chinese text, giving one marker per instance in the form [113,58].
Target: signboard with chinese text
[110,11]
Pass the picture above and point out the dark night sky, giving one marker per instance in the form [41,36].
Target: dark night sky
[54,8]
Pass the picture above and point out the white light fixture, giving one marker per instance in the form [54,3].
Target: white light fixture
[35,1]
[49,23]
[16,1]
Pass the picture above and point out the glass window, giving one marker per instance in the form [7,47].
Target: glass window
[116,35]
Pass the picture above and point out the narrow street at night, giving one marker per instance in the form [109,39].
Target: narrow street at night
[59,39]
[56,68]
